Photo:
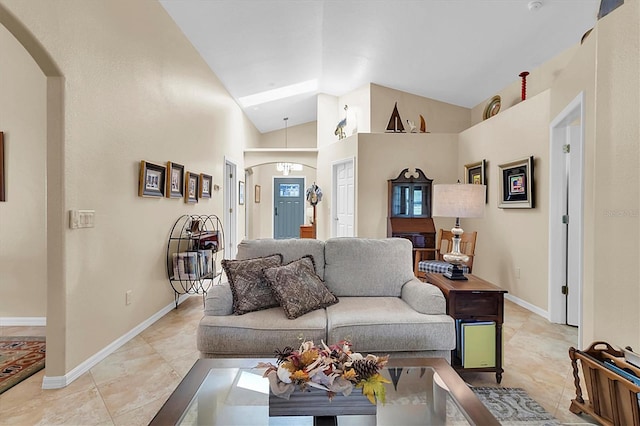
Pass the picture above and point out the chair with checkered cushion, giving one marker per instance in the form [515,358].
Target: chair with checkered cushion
[444,243]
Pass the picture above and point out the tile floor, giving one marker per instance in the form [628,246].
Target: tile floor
[130,385]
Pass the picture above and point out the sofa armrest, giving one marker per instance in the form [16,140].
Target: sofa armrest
[424,297]
[219,300]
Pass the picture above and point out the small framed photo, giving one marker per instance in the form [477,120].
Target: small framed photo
[516,184]
[175,181]
[475,173]
[191,187]
[240,192]
[152,180]
[256,194]
[206,183]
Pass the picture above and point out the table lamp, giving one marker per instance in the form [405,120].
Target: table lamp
[458,200]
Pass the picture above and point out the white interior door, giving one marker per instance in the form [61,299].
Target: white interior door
[230,210]
[343,199]
[566,235]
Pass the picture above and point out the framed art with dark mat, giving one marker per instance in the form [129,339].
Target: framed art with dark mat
[516,184]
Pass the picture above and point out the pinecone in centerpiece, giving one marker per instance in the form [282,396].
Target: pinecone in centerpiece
[365,368]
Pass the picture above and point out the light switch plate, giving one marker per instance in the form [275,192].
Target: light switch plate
[82,219]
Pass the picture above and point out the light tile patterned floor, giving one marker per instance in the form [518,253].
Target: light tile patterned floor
[130,385]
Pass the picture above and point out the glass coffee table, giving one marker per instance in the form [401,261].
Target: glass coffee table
[424,391]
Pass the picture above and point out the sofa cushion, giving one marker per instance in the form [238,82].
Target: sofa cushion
[219,300]
[259,333]
[291,249]
[248,285]
[367,267]
[298,288]
[387,325]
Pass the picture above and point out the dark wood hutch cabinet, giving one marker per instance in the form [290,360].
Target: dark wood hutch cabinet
[409,214]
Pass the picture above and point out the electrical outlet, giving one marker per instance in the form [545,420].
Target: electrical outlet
[127,297]
[517,272]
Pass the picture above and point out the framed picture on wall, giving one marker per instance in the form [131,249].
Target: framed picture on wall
[241,192]
[152,180]
[257,193]
[516,184]
[206,183]
[175,180]
[191,187]
[475,173]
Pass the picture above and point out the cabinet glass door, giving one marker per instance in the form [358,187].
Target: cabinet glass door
[401,200]
[420,201]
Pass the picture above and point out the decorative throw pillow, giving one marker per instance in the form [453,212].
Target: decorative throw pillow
[249,289]
[298,288]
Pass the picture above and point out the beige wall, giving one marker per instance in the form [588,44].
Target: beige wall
[539,80]
[509,239]
[327,156]
[580,76]
[359,111]
[616,152]
[23,259]
[440,117]
[383,156]
[131,92]
[379,157]
[301,136]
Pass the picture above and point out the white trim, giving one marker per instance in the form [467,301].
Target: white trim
[23,321]
[57,382]
[528,306]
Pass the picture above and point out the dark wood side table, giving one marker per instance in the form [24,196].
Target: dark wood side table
[478,300]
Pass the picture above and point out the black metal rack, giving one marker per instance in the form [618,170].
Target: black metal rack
[194,247]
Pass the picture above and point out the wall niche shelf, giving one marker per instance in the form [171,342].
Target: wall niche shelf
[194,249]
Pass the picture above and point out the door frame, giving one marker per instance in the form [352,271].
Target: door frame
[334,194]
[559,136]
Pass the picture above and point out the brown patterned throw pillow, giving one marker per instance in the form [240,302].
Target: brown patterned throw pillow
[248,286]
[298,288]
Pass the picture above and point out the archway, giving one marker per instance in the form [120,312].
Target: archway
[55,203]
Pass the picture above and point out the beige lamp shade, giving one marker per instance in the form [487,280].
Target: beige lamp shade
[458,200]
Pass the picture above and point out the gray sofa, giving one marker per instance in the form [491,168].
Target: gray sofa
[382,308]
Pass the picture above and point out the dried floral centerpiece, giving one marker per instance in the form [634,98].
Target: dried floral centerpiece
[335,368]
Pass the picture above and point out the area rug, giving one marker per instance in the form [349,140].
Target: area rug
[20,357]
[513,407]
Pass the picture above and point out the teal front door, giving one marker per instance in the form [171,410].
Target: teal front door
[288,202]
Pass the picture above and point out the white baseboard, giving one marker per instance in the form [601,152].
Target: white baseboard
[23,321]
[56,382]
[528,306]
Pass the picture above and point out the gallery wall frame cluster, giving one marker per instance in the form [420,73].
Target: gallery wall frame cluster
[515,182]
[172,181]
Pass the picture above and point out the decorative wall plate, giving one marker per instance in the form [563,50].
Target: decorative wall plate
[492,107]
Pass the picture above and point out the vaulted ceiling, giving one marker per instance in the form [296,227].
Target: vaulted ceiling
[455,51]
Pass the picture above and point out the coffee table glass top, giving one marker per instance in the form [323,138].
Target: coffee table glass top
[233,392]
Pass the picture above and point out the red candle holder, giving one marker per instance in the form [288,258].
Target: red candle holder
[524,75]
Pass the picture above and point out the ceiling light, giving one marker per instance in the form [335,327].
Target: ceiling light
[279,93]
[286,168]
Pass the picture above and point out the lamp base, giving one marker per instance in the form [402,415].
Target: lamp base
[455,274]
